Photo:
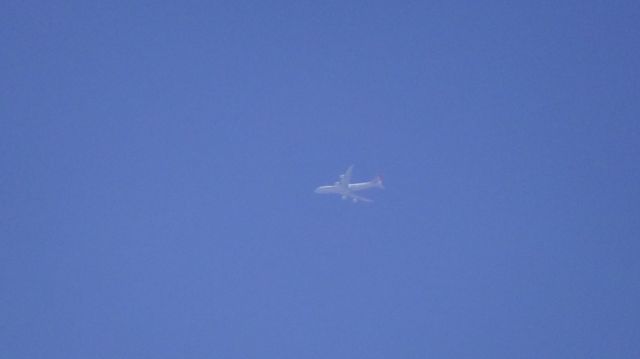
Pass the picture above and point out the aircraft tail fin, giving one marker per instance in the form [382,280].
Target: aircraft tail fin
[378,182]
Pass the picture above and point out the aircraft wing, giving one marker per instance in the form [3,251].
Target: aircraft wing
[345,178]
[359,198]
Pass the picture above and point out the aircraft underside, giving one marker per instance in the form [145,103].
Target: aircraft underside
[346,189]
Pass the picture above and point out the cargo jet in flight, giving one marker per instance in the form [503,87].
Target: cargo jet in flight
[344,188]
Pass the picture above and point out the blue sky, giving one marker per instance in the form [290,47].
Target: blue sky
[159,159]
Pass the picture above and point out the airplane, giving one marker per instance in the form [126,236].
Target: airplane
[345,188]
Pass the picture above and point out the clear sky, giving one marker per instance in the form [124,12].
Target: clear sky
[158,161]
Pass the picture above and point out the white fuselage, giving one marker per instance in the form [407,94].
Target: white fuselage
[346,189]
[351,187]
